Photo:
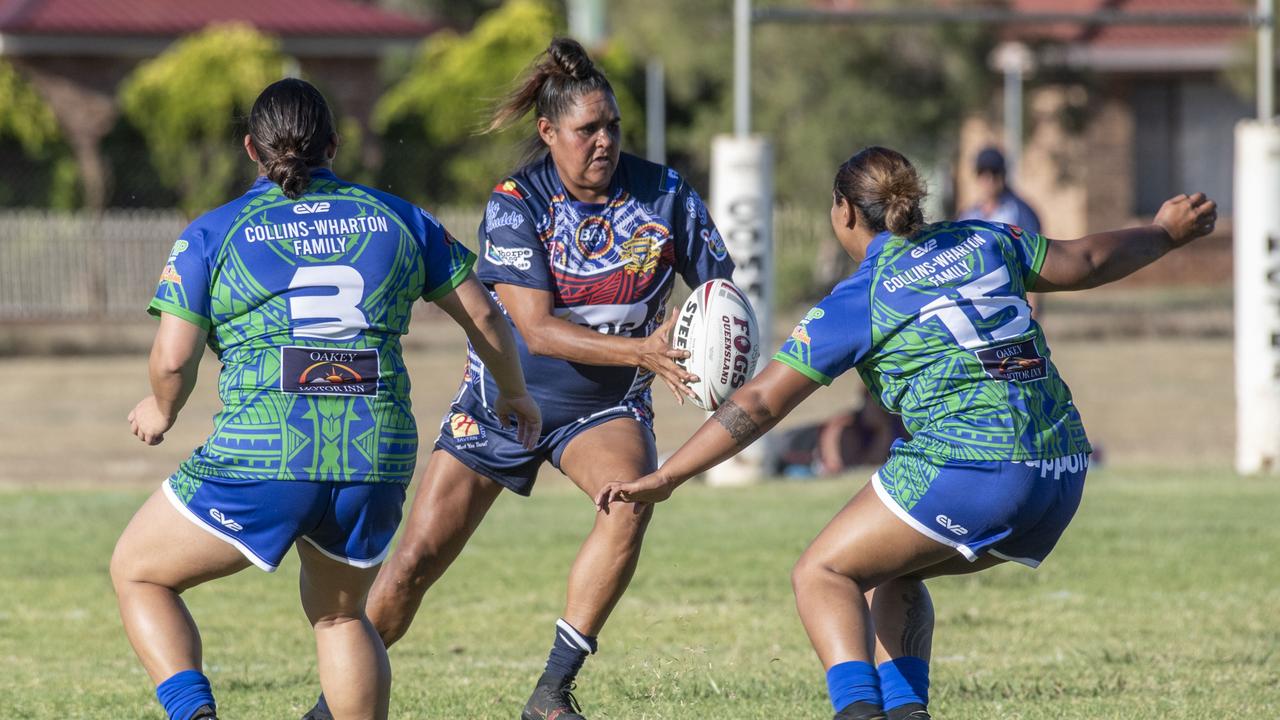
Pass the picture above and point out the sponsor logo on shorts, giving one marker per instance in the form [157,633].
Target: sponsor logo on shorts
[225,521]
[466,432]
[316,371]
[1069,464]
[1016,362]
[953,527]
[518,258]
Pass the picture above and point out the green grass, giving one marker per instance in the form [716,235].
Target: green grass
[1161,601]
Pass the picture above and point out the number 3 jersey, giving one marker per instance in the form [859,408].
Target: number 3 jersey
[608,266]
[939,329]
[305,302]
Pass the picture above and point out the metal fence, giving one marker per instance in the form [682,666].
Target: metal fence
[91,266]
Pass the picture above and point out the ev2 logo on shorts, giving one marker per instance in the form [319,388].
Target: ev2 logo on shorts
[226,522]
[956,528]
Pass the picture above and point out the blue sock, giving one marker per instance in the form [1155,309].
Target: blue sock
[851,682]
[568,652]
[185,693]
[904,680]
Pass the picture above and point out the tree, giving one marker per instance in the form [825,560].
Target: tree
[185,102]
[434,114]
[42,173]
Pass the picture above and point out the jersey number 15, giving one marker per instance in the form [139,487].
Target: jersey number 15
[977,297]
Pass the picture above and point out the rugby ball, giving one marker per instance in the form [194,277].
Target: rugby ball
[718,328]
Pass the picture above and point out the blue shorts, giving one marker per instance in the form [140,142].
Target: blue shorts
[470,432]
[350,522]
[1015,510]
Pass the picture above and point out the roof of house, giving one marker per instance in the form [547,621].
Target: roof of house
[314,18]
[1113,36]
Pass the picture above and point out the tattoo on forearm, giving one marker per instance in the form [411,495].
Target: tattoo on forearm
[738,423]
[917,623]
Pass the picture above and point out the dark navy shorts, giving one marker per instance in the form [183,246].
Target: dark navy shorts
[1014,510]
[470,432]
[351,522]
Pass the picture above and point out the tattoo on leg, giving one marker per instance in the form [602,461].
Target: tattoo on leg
[917,622]
[735,420]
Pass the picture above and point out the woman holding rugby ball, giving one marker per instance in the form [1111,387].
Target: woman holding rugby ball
[935,320]
[581,247]
[303,287]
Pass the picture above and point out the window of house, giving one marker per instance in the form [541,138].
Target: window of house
[1184,132]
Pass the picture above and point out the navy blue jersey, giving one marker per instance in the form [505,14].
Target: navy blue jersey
[609,266]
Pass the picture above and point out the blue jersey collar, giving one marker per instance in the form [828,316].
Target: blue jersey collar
[262,183]
[877,244]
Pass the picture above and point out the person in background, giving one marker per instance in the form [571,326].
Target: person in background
[997,202]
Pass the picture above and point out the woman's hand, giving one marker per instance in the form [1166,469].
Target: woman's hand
[657,356]
[527,416]
[148,422]
[651,488]
[1186,218]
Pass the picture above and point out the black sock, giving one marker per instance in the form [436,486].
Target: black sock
[568,653]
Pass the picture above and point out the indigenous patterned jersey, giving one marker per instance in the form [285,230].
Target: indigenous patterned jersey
[305,302]
[940,331]
[609,266]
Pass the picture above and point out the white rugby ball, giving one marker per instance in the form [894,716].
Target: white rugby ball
[718,328]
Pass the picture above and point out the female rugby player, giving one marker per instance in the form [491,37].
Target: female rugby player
[581,247]
[303,287]
[936,322]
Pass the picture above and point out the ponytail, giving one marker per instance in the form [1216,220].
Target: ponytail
[885,188]
[561,75]
[291,127]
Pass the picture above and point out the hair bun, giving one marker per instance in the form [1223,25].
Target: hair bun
[571,58]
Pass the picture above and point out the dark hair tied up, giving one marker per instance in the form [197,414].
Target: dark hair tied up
[291,127]
[558,78]
[885,188]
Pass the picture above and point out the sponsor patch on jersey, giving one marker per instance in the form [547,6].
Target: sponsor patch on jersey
[508,188]
[715,243]
[518,258]
[670,181]
[466,432]
[495,219]
[326,371]
[1016,362]
[170,274]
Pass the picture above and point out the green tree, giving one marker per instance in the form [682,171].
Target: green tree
[433,116]
[39,169]
[185,103]
[24,116]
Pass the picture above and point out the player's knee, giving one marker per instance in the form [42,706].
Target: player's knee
[326,620]
[628,520]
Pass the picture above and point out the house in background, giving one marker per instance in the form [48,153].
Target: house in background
[77,52]
[1119,118]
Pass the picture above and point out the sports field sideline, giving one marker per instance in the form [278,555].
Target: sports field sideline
[1160,603]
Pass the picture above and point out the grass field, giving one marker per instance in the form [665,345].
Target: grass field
[1160,603]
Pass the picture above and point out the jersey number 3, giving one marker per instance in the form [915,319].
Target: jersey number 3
[340,313]
[978,296]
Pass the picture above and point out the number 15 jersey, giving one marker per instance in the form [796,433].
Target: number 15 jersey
[305,302]
[939,329]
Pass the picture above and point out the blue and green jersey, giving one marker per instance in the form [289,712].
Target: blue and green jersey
[305,302]
[939,329]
